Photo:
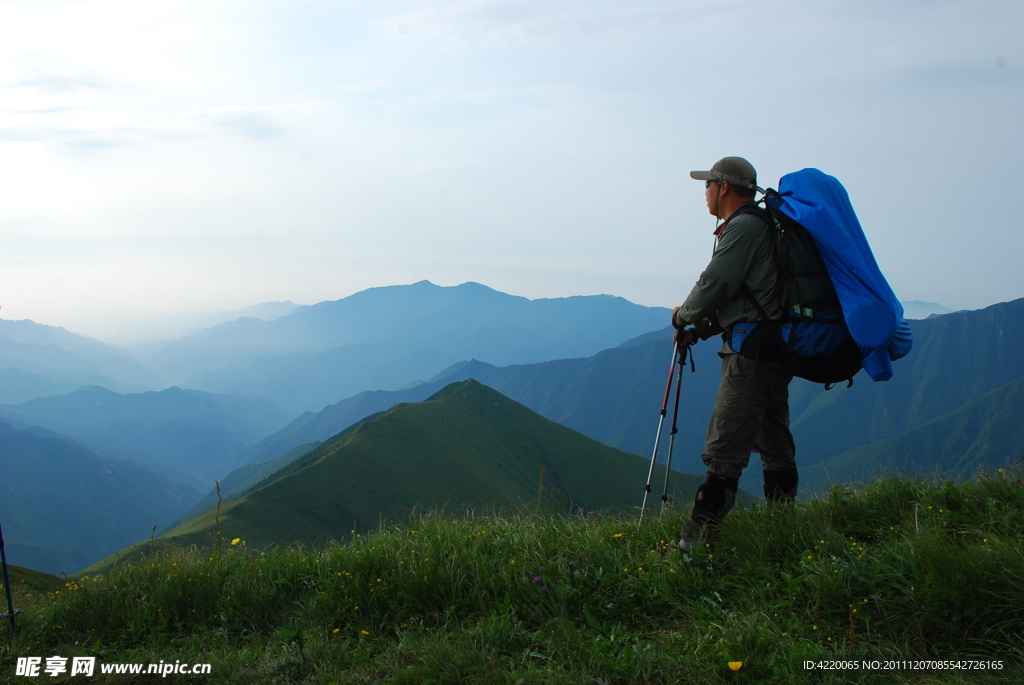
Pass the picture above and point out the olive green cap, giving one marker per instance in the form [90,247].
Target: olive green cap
[735,170]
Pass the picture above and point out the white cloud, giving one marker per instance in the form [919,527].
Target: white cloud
[507,25]
[165,155]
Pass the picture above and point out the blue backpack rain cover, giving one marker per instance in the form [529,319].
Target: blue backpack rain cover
[873,315]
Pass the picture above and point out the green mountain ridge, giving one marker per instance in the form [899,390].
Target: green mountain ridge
[467,447]
[613,396]
[984,434]
[245,478]
[956,359]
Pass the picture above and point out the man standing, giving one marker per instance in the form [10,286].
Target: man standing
[752,408]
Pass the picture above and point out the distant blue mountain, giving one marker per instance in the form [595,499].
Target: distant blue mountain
[190,436]
[916,309]
[64,507]
[18,385]
[382,338]
[265,311]
[67,358]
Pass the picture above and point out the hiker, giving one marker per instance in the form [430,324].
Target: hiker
[752,407]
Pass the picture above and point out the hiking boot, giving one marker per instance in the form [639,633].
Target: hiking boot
[697,534]
[715,497]
[780,486]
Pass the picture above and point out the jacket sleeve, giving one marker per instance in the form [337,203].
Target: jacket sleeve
[725,273]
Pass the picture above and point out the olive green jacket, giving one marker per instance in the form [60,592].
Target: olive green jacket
[744,254]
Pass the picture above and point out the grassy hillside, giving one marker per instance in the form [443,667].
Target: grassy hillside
[613,396]
[466,447]
[26,580]
[904,572]
[335,418]
[244,478]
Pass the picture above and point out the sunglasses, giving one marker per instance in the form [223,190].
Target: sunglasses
[707,184]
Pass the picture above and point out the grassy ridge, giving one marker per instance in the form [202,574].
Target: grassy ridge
[903,570]
[466,447]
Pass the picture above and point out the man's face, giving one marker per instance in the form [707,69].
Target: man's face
[711,189]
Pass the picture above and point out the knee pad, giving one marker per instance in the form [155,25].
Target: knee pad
[780,486]
[715,497]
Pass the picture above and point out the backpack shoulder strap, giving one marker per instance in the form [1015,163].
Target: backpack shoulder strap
[754,208]
[772,225]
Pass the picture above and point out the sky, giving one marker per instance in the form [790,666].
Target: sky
[161,161]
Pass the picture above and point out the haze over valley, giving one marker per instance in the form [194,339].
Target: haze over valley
[253,399]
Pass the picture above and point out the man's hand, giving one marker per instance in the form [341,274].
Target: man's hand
[684,337]
[676,323]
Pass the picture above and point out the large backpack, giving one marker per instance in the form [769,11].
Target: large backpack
[839,313]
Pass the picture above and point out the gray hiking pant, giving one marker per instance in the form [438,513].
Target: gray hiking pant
[751,415]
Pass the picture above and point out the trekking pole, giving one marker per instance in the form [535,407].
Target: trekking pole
[675,420]
[11,611]
[657,437]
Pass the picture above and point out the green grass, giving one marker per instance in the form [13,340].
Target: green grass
[902,570]
[27,580]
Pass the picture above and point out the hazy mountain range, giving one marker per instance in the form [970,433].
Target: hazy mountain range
[59,385]
[383,338]
[306,357]
[952,405]
[189,436]
[64,507]
[51,358]
[614,396]
[152,338]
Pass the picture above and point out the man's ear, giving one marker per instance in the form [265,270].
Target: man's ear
[723,187]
